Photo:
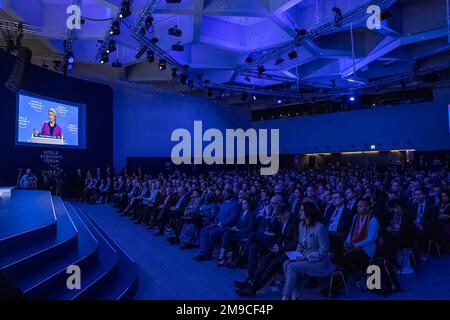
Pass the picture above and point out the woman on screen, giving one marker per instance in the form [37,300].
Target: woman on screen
[50,127]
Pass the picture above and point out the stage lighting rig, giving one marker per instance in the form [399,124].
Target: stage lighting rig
[125,9]
[183,78]
[301,34]
[141,52]
[162,64]
[293,55]
[175,32]
[111,47]
[105,58]
[261,70]
[178,47]
[115,28]
[174,73]
[173,1]
[338,17]
[151,56]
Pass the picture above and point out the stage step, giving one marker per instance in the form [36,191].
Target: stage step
[65,240]
[96,275]
[38,262]
[26,218]
[50,276]
[126,279]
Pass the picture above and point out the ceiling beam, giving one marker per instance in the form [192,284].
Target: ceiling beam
[198,17]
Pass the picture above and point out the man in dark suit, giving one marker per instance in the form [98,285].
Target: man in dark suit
[338,219]
[295,201]
[351,200]
[273,261]
[423,216]
[209,235]
[175,211]
[265,237]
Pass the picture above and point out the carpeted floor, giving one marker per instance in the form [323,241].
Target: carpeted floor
[167,272]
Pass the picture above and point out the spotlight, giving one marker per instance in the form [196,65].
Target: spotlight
[301,34]
[338,17]
[292,55]
[162,64]
[125,10]
[178,47]
[149,22]
[279,61]
[183,78]
[117,64]
[254,98]
[222,93]
[261,70]
[279,101]
[352,98]
[111,47]
[174,73]
[140,53]
[115,28]
[150,56]
[175,32]
[105,58]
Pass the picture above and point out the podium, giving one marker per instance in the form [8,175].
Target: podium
[43,140]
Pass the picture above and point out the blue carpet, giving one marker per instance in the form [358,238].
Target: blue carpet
[166,272]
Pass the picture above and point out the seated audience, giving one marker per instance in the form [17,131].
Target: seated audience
[314,249]
[238,232]
[227,216]
[360,245]
[272,262]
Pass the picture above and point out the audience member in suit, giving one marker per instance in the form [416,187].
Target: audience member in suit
[423,216]
[361,243]
[238,232]
[295,201]
[175,211]
[191,211]
[148,204]
[313,244]
[169,200]
[325,201]
[444,220]
[265,237]
[136,200]
[338,220]
[209,235]
[351,200]
[395,226]
[272,262]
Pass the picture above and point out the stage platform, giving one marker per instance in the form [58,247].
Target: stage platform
[41,236]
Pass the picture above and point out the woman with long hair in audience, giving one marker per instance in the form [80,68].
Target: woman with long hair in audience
[314,252]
